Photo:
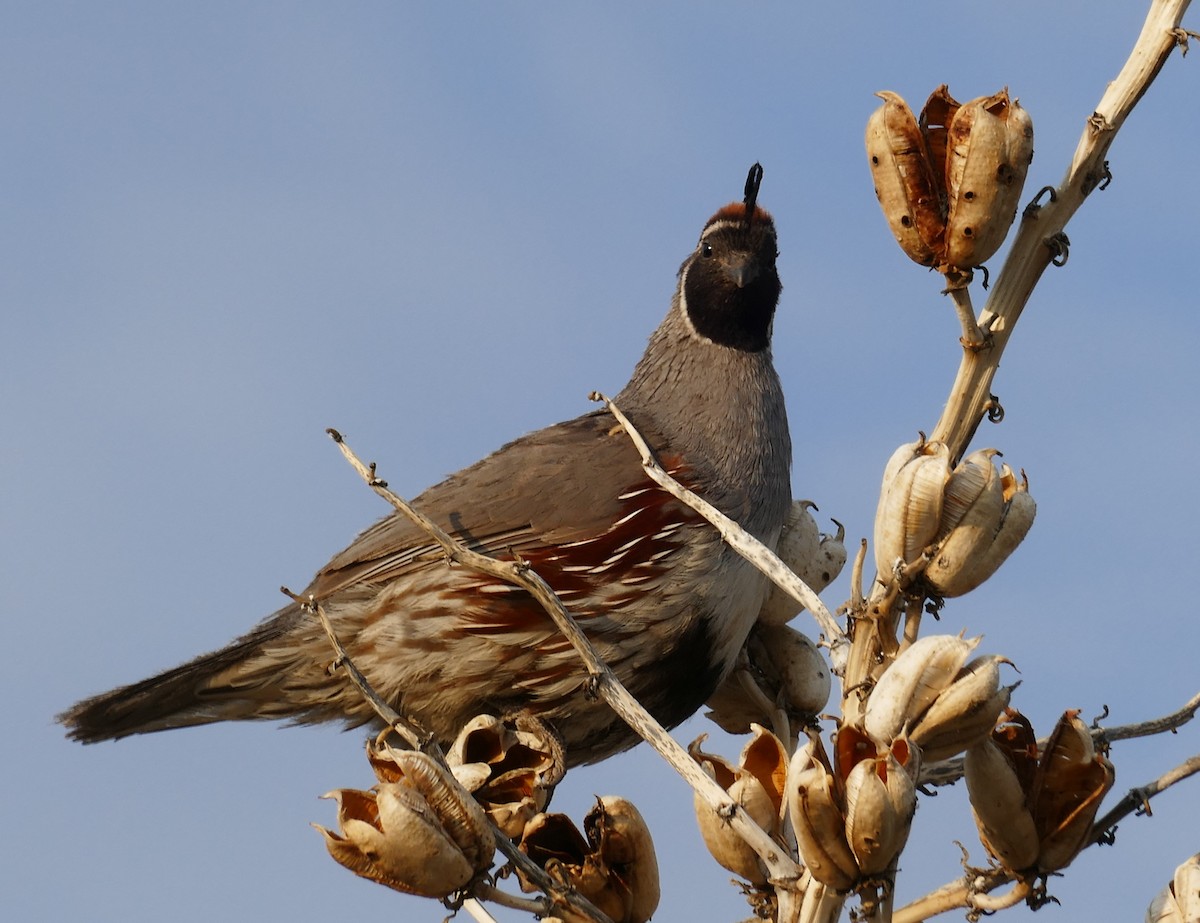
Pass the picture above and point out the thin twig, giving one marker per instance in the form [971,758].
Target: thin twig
[1015,895]
[969,892]
[1171,722]
[1137,800]
[738,539]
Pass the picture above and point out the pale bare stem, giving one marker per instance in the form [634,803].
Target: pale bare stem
[781,867]
[539,907]
[989,904]
[1137,800]
[956,287]
[1039,238]
[479,913]
[876,902]
[888,904]
[791,901]
[912,622]
[967,892]
[738,539]
[822,904]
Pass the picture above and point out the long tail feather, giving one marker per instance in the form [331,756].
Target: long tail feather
[197,692]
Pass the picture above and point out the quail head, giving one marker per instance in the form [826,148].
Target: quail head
[666,603]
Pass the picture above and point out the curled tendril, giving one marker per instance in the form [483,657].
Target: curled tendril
[1060,248]
[1035,204]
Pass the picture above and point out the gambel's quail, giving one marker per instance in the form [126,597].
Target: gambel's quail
[666,603]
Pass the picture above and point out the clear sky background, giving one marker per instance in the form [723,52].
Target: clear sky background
[227,226]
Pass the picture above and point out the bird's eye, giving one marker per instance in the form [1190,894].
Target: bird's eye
[706,250]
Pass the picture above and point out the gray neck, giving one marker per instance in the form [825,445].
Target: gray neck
[723,410]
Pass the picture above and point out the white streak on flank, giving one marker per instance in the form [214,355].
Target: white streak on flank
[629,544]
[628,516]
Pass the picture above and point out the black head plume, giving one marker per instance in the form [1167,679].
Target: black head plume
[753,181]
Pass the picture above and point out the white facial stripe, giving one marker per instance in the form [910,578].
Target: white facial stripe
[720,226]
[723,224]
[683,309]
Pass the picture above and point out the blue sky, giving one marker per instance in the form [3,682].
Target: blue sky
[229,226]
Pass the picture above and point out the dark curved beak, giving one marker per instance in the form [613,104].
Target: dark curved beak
[742,269]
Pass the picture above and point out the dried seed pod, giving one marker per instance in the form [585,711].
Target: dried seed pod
[805,680]
[1186,886]
[817,819]
[1072,779]
[899,458]
[912,682]
[556,844]
[391,836]
[989,147]
[614,867]
[964,712]
[459,813]
[800,537]
[1165,908]
[1000,804]
[905,182]
[820,568]
[972,479]
[1019,512]
[799,545]
[621,839]
[418,832]
[779,668]
[1062,788]
[823,568]
[973,511]
[757,784]
[880,802]
[985,538]
[910,509]
[511,767]
[723,843]
[949,183]
[936,116]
